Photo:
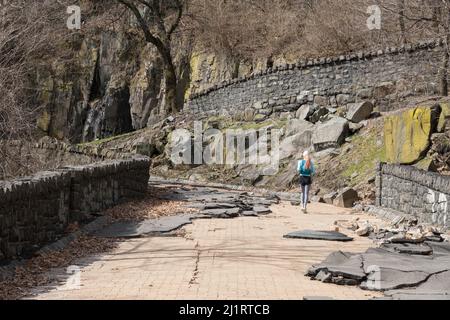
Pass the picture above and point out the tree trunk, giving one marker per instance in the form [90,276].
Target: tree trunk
[437,12]
[444,72]
[446,58]
[170,80]
[401,20]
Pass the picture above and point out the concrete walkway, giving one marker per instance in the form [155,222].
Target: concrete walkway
[242,258]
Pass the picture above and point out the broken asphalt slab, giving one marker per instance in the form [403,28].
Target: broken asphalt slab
[437,287]
[400,275]
[210,203]
[222,213]
[319,235]
[134,229]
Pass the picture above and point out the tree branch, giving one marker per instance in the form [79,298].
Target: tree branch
[175,25]
[149,37]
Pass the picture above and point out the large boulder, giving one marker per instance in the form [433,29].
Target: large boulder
[305,112]
[295,144]
[296,126]
[408,134]
[330,134]
[346,198]
[358,112]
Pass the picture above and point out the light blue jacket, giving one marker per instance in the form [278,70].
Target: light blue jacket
[303,171]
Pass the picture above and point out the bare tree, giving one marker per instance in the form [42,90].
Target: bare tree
[248,29]
[158,20]
[401,20]
[27,35]
[420,19]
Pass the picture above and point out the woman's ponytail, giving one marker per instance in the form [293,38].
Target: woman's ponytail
[307,159]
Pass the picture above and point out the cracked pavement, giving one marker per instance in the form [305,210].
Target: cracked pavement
[239,258]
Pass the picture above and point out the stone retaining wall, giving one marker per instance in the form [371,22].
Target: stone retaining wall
[422,194]
[49,154]
[36,210]
[387,76]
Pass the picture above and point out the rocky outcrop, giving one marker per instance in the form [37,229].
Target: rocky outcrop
[94,103]
[407,135]
[118,86]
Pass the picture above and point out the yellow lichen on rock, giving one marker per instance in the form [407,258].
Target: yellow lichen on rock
[208,69]
[407,135]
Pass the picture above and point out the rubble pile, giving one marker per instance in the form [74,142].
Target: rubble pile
[401,230]
[223,204]
[411,261]
[198,203]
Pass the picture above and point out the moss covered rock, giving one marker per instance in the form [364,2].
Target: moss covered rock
[407,135]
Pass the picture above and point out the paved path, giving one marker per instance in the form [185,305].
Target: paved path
[242,258]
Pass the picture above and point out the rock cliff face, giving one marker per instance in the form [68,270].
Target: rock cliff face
[88,97]
[114,85]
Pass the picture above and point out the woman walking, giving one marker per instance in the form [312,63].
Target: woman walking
[306,170]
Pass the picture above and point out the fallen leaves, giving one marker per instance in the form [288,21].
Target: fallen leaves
[34,272]
[150,207]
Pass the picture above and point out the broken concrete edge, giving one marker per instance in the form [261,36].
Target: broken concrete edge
[8,271]
[285,196]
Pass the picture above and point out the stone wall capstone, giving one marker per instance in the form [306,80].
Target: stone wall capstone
[36,210]
[386,76]
[422,194]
